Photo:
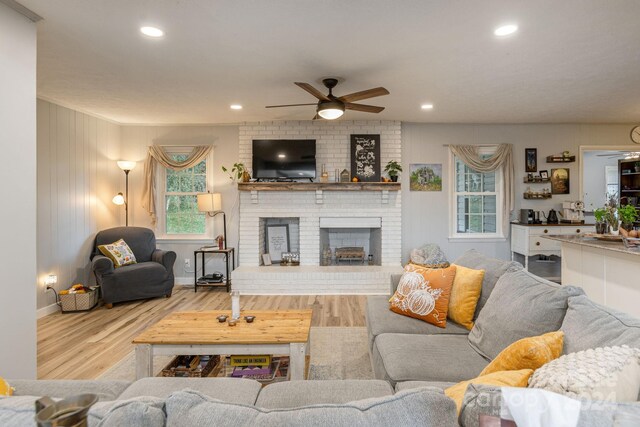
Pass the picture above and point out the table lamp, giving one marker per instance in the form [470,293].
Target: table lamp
[211,203]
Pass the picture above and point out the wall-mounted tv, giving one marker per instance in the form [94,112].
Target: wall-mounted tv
[284,158]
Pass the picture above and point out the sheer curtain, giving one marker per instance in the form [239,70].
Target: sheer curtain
[158,154]
[501,159]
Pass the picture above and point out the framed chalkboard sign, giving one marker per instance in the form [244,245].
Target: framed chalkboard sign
[365,157]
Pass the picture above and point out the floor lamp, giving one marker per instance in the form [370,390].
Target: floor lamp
[211,203]
[119,199]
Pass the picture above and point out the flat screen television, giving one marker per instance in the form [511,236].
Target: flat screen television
[284,158]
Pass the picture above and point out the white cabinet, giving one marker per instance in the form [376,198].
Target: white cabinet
[528,240]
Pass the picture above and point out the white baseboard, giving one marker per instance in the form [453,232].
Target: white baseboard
[45,311]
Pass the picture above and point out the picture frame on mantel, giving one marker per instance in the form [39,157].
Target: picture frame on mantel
[365,158]
[277,236]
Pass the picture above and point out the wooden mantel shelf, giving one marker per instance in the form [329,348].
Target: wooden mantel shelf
[323,186]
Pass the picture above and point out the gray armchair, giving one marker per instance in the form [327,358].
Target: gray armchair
[151,277]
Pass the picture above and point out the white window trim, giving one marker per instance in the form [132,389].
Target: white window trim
[454,236]
[160,178]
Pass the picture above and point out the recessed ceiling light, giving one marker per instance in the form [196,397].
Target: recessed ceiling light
[152,32]
[236,107]
[427,106]
[505,30]
[282,156]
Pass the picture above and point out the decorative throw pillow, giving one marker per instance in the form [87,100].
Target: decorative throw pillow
[527,353]
[518,378]
[429,255]
[605,373]
[5,388]
[423,293]
[118,252]
[465,293]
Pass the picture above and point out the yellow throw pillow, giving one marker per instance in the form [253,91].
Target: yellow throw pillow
[423,293]
[467,286]
[528,353]
[5,388]
[118,252]
[499,379]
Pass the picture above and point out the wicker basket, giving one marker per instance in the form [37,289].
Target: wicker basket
[78,302]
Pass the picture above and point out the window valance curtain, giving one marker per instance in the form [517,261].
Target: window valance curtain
[501,159]
[158,154]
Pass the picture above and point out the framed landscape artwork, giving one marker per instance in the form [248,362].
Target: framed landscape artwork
[365,157]
[531,159]
[560,183]
[425,177]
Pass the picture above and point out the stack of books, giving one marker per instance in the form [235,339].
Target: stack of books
[263,368]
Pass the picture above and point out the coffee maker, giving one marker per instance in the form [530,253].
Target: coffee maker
[527,216]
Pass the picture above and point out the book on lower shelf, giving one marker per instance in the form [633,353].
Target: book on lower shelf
[277,370]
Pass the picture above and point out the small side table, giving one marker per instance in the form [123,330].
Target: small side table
[229,258]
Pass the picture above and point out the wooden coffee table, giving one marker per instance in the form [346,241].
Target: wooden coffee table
[281,332]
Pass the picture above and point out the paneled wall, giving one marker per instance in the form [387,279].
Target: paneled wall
[77,178]
[18,213]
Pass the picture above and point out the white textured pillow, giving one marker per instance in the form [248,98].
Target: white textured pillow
[605,373]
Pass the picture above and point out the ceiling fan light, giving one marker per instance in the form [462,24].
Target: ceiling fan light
[330,110]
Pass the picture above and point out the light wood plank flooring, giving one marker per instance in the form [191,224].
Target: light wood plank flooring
[84,345]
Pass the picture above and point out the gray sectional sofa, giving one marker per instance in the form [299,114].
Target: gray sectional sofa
[413,362]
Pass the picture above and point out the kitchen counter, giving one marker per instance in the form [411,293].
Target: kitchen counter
[607,271]
[594,243]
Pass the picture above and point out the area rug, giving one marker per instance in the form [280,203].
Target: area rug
[337,353]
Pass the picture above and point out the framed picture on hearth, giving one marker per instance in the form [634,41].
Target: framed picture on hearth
[277,237]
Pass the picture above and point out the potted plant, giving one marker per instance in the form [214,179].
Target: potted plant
[393,168]
[611,214]
[238,172]
[601,224]
[627,215]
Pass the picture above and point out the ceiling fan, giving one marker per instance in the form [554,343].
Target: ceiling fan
[330,107]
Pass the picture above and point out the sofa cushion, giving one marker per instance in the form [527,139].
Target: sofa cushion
[235,390]
[590,325]
[105,389]
[408,385]
[424,293]
[381,320]
[421,407]
[404,357]
[119,253]
[493,269]
[521,305]
[291,394]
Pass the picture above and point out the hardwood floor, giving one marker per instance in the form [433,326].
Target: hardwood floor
[84,345]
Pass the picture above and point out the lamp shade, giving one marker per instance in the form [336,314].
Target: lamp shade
[118,199]
[330,110]
[210,202]
[126,165]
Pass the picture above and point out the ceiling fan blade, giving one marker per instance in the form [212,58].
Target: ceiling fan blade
[362,107]
[289,105]
[365,94]
[313,91]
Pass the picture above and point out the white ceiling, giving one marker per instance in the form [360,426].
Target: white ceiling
[571,61]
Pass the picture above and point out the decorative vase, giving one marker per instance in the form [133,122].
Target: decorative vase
[613,232]
[601,227]
[394,178]
[245,176]
[627,226]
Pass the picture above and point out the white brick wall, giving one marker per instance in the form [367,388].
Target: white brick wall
[332,149]
[332,139]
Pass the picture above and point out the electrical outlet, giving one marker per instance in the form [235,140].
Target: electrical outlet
[48,288]
[187,263]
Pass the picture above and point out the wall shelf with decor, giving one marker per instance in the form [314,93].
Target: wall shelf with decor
[536,181]
[313,186]
[560,159]
[539,196]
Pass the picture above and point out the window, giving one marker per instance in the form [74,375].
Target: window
[178,215]
[476,201]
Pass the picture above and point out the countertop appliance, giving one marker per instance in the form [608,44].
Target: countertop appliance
[527,216]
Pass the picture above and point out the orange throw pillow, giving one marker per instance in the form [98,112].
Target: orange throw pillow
[424,293]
